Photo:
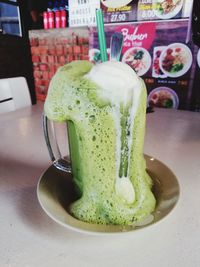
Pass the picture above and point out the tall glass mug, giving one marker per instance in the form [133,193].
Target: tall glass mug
[71,159]
[60,162]
[105,110]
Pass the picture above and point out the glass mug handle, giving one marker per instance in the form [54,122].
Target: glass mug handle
[58,161]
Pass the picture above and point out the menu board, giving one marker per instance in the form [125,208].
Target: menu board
[82,12]
[166,64]
[138,10]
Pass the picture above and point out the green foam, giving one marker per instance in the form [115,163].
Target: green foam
[92,133]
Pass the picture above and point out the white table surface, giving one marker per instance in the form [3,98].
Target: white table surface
[29,238]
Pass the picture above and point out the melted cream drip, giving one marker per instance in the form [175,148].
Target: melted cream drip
[120,85]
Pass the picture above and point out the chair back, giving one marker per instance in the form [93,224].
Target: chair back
[14,94]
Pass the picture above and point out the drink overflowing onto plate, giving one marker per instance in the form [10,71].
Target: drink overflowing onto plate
[104,107]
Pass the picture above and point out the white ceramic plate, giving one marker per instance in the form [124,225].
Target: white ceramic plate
[185,55]
[144,62]
[55,193]
[168,14]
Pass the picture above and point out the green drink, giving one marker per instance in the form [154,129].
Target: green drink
[105,107]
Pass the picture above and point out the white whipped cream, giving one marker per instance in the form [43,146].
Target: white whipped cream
[117,80]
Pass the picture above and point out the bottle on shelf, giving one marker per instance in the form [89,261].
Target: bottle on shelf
[45,20]
[51,19]
[63,14]
[50,15]
[56,14]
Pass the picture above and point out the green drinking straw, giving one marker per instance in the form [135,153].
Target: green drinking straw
[101,35]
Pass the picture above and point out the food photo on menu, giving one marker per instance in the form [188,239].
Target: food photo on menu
[138,58]
[175,60]
[163,97]
[119,11]
[167,9]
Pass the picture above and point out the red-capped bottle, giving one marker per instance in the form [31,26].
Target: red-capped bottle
[63,18]
[51,20]
[58,18]
[45,20]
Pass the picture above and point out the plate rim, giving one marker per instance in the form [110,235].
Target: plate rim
[123,230]
[128,2]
